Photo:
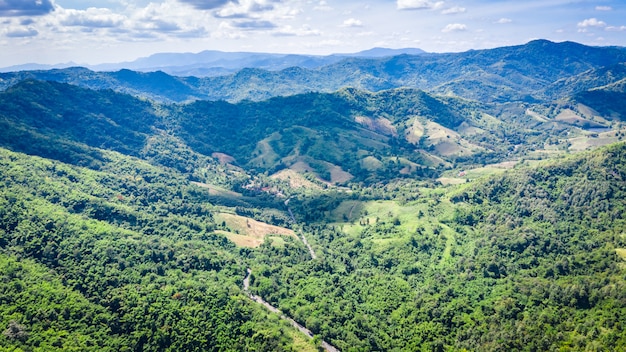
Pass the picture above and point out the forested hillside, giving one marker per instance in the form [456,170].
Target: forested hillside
[531,260]
[480,211]
[349,135]
[125,258]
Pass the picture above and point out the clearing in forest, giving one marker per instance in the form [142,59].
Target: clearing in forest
[621,252]
[247,232]
[295,179]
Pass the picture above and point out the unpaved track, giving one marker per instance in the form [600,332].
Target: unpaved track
[259,300]
[246,288]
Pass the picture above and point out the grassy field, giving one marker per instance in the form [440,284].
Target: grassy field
[621,252]
[266,155]
[354,216]
[448,142]
[217,190]
[295,179]
[396,223]
[459,177]
[247,232]
[593,140]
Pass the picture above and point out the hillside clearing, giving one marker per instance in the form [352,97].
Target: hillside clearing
[295,179]
[247,232]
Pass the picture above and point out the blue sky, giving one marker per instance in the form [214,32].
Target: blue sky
[100,31]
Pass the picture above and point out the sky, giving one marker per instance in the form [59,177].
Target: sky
[111,31]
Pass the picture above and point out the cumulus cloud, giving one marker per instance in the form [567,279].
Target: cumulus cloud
[454,27]
[352,22]
[289,31]
[22,33]
[207,4]
[604,8]
[504,20]
[453,10]
[590,22]
[164,26]
[166,18]
[245,9]
[418,4]
[12,8]
[92,17]
[226,30]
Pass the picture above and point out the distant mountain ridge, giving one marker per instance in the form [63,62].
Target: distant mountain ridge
[215,62]
[528,73]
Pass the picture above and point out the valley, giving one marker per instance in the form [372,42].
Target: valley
[430,202]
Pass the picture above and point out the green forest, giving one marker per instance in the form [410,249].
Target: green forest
[378,220]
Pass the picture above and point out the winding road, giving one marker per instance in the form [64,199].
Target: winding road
[306,243]
[246,288]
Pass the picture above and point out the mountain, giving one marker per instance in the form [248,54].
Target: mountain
[214,62]
[511,262]
[85,266]
[314,129]
[384,52]
[135,256]
[605,100]
[35,66]
[587,80]
[526,73]
[337,137]
[136,217]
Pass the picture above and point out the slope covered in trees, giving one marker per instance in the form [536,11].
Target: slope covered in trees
[525,261]
[358,135]
[125,258]
[131,256]
[130,224]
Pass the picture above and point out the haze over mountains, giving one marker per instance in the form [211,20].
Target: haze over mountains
[530,72]
[214,62]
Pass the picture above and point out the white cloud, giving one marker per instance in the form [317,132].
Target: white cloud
[227,31]
[244,9]
[590,22]
[252,25]
[454,27]
[22,32]
[453,10]
[616,29]
[604,8]
[92,18]
[418,4]
[352,22]
[303,31]
[504,20]
[165,18]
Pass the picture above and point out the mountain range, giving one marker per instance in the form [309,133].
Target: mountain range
[411,202]
[214,62]
[532,72]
